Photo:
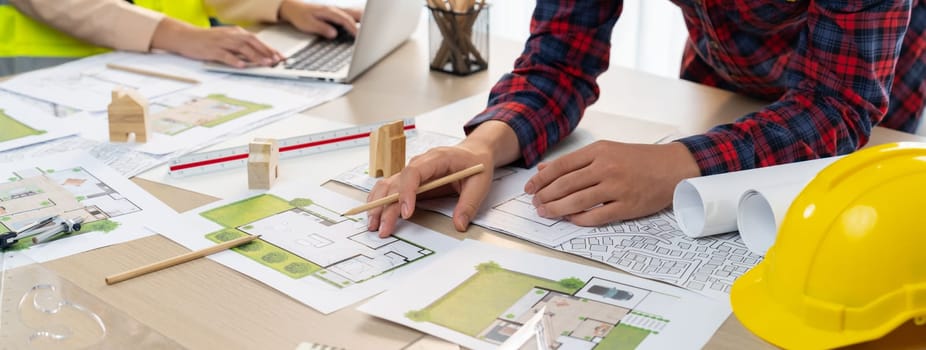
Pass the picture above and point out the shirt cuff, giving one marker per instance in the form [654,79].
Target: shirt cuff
[715,153]
[531,146]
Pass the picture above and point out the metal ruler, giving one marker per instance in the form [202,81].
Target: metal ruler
[237,157]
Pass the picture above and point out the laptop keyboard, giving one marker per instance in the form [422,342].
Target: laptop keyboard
[322,55]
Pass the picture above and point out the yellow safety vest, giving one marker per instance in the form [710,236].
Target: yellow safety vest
[21,36]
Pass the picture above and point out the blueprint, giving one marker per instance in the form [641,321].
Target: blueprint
[479,295]
[307,250]
[72,185]
[652,247]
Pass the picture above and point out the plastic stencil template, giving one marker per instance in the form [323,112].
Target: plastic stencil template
[479,295]
[307,250]
[652,247]
[40,310]
[22,124]
[71,186]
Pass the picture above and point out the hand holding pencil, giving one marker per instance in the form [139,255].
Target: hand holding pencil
[442,171]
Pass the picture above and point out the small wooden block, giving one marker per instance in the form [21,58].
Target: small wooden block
[263,163]
[128,114]
[387,149]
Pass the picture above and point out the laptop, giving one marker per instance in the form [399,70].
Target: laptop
[385,24]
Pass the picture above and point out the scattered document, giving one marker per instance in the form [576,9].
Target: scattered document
[74,185]
[124,161]
[652,247]
[307,249]
[479,295]
[204,114]
[22,125]
[87,84]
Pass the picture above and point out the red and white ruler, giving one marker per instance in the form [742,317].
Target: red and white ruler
[237,157]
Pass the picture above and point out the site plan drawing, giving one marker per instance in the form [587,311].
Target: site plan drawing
[479,295]
[73,185]
[652,247]
[307,250]
[22,124]
[204,114]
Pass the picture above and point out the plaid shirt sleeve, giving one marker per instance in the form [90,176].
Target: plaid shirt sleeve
[553,80]
[837,88]
[835,84]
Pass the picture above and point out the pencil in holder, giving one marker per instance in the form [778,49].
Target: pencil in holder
[459,40]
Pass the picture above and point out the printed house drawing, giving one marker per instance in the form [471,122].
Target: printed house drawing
[35,194]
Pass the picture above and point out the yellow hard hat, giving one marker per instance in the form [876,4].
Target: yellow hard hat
[849,263]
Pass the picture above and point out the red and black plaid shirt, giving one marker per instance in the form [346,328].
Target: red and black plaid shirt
[831,69]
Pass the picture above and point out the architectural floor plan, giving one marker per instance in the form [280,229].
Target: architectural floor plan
[34,194]
[71,185]
[480,295]
[307,249]
[180,112]
[319,243]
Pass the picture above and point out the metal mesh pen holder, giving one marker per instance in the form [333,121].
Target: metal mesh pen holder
[459,41]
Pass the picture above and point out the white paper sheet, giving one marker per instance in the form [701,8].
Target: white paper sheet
[87,84]
[760,212]
[706,205]
[22,124]
[307,250]
[652,247]
[71,185]
[479,294]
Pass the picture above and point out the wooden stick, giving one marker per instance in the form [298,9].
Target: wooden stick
[457,176]
[151,73]
[163,264]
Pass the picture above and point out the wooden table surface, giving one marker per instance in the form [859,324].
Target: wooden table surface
[203,305]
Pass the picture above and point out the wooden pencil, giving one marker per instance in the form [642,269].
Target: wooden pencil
[178,259]
[151,73]
[457,176]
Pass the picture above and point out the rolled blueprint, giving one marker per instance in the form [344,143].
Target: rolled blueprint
[760,213]
[706,205]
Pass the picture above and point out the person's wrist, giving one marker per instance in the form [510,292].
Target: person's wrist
[687,164]
[170,34]
[494,140]
[287,8]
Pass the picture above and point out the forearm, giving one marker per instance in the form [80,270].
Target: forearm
[838,81]
[553,81]
[169,35]
[800,126]
[110,23]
